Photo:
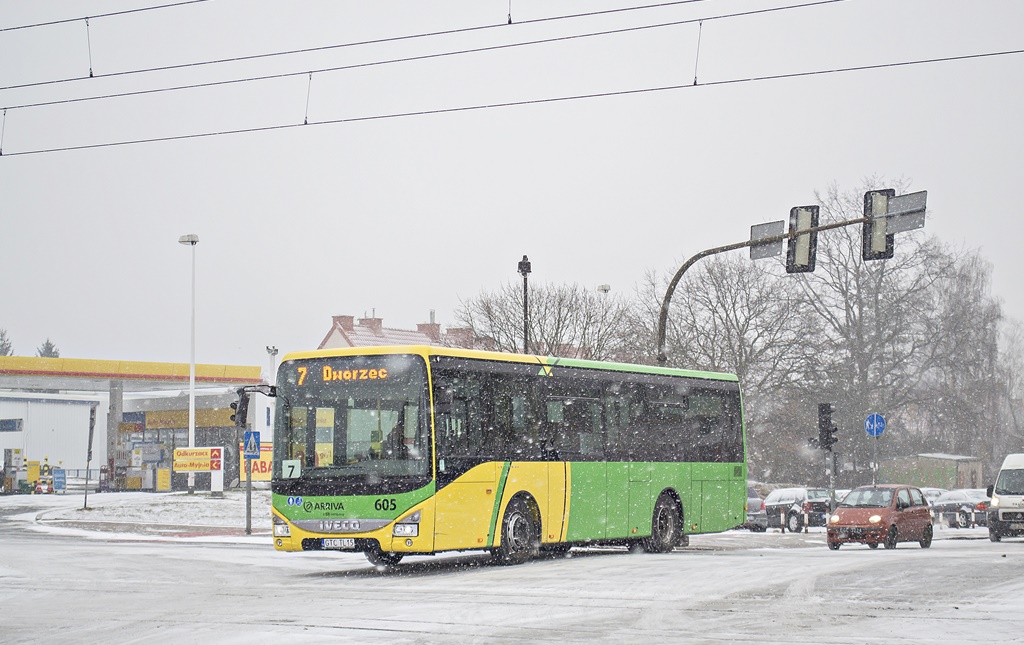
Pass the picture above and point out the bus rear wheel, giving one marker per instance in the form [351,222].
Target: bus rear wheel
[666,526]
[520,534]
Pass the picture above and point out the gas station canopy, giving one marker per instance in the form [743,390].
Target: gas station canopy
[28,374]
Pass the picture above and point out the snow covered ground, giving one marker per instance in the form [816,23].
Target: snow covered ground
[128,515]
[131,583]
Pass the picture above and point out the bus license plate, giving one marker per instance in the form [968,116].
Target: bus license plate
[338,543]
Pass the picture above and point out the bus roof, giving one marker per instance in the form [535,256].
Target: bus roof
[433,350]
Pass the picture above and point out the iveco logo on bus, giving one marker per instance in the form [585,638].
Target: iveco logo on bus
[339,525]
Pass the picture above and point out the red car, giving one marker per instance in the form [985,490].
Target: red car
[883,514]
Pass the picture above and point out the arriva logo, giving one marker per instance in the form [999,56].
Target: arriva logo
[322,506]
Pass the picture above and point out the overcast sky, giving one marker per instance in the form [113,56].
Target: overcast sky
[405,215]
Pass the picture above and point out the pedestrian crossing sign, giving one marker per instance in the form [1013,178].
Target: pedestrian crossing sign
[251,441]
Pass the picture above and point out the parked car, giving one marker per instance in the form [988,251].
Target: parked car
[757,518]
[884,514]
[786,507]
[1006,508]
[962,508]
[931,494]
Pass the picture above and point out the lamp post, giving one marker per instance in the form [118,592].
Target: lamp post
[524,270]
[271,376]
[191,240]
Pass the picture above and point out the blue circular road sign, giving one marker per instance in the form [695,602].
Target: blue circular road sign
[874,425]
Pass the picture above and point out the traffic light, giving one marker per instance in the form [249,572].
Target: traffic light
[826,429]
[878,243]
[802,249]
[241,408]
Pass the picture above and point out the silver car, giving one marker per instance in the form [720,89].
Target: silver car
[757,517]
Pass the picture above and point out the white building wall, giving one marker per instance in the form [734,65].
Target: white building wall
[57,427]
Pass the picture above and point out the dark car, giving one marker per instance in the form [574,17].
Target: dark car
[962,508]
[757,518]
[787,507]
[931,494]
[885,514]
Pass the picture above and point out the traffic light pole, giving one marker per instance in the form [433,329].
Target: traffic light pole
[663,317]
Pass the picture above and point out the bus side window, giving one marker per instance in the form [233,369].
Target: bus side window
[592,435]
[452,424]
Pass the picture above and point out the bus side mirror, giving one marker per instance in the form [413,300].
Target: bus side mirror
[988,491]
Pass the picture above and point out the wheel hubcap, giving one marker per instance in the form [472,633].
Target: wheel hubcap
[666,525]
[518,532]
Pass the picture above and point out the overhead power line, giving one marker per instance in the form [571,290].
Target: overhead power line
[558,99]
[101,15]
[407,59]
[361,43]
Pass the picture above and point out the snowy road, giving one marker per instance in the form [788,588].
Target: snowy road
[732,587]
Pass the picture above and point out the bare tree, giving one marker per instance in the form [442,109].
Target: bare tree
[887,331]
[6,348]
[1011,371]
[961,382]
[564,320]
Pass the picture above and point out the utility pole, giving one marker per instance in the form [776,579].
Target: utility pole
[524,270]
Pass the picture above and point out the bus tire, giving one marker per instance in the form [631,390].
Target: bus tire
[520,534]
[379,558]
[666,526]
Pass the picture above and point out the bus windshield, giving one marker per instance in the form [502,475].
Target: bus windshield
[355,417]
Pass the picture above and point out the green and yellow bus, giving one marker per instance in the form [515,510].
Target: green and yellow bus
[393,451]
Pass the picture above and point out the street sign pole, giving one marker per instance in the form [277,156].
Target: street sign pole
[251,450]
[874,425]
[88,455]
[874,461]
[248,496]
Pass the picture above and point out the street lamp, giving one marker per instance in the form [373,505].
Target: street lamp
[271,376]
[191,240]
[524,270]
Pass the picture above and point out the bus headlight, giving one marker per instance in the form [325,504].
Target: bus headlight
[281,528]
[875,519]
[408,526]
[994,503]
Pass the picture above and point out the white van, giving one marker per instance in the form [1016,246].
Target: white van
[1006,514]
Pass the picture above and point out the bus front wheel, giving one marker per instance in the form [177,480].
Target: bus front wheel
[520,535]
[666,526]
[380,558]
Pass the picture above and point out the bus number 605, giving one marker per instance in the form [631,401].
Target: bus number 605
[385,505]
